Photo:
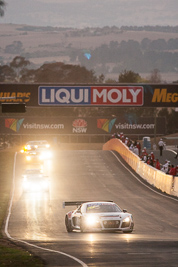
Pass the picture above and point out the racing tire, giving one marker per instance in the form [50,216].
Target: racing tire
[82,229]
[68,225]
[128,232]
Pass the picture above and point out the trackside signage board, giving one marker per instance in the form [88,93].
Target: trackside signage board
[88,125]
[94,95]
[118,95]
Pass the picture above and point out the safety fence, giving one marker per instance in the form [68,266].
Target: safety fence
[166,183]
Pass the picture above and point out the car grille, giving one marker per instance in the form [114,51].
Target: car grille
[125,224]
[111,224]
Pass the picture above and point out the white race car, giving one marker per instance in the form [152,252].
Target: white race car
[36,183]
[98,216]
[33,145]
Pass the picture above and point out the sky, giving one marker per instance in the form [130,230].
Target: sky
[91,13]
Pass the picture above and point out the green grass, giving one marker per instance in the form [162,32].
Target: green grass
[10,255]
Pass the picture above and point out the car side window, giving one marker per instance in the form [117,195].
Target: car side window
[79,210]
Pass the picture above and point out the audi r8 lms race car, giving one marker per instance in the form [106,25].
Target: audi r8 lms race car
[38,155]
[98,216]
[33,145]
[36,183]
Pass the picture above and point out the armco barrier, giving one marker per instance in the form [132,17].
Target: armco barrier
[153,176]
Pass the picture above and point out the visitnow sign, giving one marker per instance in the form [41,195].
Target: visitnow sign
[91,95]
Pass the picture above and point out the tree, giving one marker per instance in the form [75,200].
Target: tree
[18,64]
[15,48]
[64,73]
[129,77]
[155,76]
[7,74]
[2,7]
[101,78]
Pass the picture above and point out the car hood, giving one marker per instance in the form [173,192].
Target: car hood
[118,215]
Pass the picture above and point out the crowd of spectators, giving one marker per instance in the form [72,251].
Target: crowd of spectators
[149,159]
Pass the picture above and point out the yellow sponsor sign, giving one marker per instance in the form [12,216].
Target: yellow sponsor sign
[161,96]
[19,96]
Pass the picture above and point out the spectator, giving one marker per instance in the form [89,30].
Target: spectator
[135,150]
[172,170]
[161,145]
[166,166]
[117,135]
[131,147]
[158,167]
[144,155]
[177,170]
[139,147]
[126,141]
[123,139]
[149,160]
[163,169]
[169,167]
[121,136]
[153,158]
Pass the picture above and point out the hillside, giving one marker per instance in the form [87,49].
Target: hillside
[48,44]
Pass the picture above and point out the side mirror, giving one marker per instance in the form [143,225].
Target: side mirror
[124,210]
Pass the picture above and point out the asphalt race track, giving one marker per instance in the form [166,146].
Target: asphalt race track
[36,220]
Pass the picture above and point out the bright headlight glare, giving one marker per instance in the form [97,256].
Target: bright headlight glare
[46,184]
[28,158]
[91,220]
[45,155]
[127,219]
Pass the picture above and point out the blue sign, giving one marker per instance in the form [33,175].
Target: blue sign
[64,95]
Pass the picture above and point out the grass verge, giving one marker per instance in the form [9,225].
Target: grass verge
[10,254]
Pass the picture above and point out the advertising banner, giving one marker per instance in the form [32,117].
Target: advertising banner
[72,125]
[117,95]
[93,95]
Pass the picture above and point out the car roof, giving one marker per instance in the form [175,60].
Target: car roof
[37,142]
[98,202]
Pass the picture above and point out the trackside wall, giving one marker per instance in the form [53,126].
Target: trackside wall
[153,176]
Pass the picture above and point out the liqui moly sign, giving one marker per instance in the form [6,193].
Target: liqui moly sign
[90,95]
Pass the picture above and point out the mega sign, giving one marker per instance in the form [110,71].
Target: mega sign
[91,95]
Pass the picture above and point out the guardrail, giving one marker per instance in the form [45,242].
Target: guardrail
[157,178]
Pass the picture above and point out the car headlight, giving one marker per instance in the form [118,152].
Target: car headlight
[45,155]
[91,220]
[46,184]
[28,158]
[127,219]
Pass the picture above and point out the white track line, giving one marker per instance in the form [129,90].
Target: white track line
[24,242]
[142,178]
[171,151]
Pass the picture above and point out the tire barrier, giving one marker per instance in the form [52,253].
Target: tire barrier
[166,183]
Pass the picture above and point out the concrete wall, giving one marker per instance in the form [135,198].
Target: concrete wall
[153,176]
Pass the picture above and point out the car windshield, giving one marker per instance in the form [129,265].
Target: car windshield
[36,179]
[102,207]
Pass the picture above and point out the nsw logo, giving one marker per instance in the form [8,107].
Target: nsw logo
[13,124]
[79,126]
